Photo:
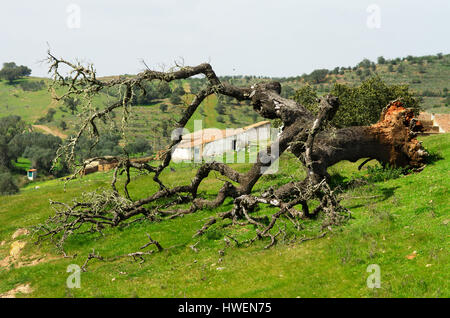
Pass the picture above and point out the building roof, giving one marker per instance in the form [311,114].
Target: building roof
[208,135]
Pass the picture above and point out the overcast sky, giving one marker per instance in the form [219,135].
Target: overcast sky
[257,37]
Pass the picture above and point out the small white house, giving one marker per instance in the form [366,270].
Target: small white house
[31,174]
[210,142]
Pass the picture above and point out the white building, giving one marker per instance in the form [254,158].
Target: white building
[210,142]
[31,174]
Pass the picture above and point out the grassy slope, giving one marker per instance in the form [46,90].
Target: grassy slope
[33,105]
[393,219]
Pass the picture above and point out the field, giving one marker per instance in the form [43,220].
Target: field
[399,224]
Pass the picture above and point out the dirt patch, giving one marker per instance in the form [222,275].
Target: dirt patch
[16,249]
[20,232]
[22,289]
[14,253]
[51,131]
[35,260]
[15,257]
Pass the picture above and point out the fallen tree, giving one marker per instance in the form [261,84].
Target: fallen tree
[390,141]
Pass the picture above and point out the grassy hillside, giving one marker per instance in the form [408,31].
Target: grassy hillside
[147,121]
[399,224]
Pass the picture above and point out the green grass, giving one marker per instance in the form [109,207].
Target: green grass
[391,220]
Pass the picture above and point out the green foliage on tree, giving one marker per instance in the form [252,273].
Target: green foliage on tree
[63,125]
[163,107]
[220,108]
[139,146]
[148,93]
[360,105]
[307,96]
[108,145]
[32,86]
[40,149]
[179,90]
[421,69]
[175,99]
[317,76]
[71,103]
[163,90]
[381,60]
[12,72]
[287,91]
[10,126]
[364,63]
[48,118]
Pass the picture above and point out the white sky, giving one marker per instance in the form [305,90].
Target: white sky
[257,37]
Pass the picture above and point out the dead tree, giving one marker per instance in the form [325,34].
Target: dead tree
[391,140]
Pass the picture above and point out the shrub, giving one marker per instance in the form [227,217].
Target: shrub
[12,72]
[381,60]
[63,125]
[378,173]
[7,185]
[32,86]
[175,99]
[364,63]
[163,107]
[307,96]
[317,76]
[47,118]
[140,145]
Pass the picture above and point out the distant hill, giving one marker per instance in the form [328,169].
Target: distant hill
[29,98]
[428,76]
